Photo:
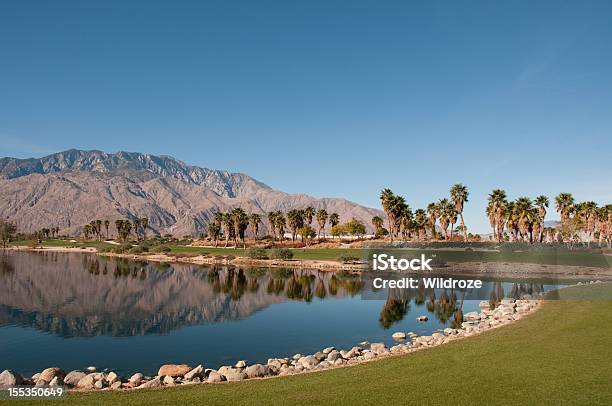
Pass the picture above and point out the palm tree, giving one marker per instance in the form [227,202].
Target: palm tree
[309,213]
[420,219]
[526,216]
[386,200]
[296,221]
[106,225]
[144,222]
[404,218]
[228,227]
[272,223]
[281,223]
[398,207]
[321,220]
[99,229]
[136,223]
[496,208]
[118,226]
[446,210]
[432,212]
[213,231]
[334,219]
[241,221]
[588,214]
[542,203]
[459,195]
[255,220]
[86,231]
[564,203]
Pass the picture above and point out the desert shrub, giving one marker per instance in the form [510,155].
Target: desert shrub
[138,249]
[161,248]
[120,249]
[281,253]
[257,253]
[346,258]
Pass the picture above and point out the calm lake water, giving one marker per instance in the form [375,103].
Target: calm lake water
[75,310]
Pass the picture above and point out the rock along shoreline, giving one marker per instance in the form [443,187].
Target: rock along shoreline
[170,375]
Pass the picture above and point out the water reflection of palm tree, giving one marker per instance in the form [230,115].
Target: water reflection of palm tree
[320,290]
[445,306]
[395,308]
[333,285]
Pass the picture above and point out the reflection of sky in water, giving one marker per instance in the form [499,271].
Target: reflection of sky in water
[65,310]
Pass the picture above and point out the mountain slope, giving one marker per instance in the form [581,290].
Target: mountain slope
[71,188]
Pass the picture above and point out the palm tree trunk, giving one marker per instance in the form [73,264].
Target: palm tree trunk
[463,226]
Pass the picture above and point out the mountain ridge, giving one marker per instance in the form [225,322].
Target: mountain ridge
[70,188]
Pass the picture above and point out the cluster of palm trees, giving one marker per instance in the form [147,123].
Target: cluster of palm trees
[49,232]
[234,224]
[124,228]
[406,225]
[299,222]
[523,219]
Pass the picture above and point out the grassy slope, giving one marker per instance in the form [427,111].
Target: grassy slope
[560,354]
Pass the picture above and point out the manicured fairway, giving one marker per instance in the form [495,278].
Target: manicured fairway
[559,355]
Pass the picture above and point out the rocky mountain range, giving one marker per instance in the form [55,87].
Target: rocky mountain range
[69,189]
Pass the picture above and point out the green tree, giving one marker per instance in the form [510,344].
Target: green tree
[307,232]
[378,223]
[7,231]
[106,225]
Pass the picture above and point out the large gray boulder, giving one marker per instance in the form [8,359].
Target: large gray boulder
[215,377]
[196,372]
[377,347]
[73,377]
[10,378]
[153,383]
[308,361]
[333,356]
[48,374]
[256,371]
[86,382]
[235,376]
[136,379]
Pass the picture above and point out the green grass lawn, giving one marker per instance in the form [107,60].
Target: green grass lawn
[559,355]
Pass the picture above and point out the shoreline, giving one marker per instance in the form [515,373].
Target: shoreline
[506,312]
[467,268]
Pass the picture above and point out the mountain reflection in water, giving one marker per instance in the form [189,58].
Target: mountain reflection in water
[82,295]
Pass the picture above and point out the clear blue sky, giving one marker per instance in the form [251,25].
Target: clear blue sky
[329,98]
